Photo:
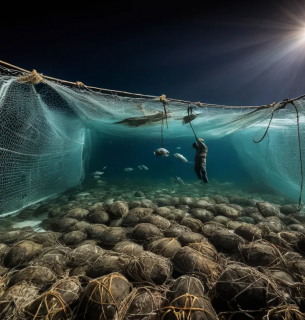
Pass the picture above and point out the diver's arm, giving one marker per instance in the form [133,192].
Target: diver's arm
[195,145]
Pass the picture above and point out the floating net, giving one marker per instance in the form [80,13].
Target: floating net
[45,133]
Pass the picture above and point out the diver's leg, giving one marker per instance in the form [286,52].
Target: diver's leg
[197,168]
[203,170]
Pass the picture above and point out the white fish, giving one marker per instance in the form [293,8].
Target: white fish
[104,167]
[142,167]
[128,169]
[180,157]
[83,194]
[161,152]
[179,180]
[98,173]
[178,148]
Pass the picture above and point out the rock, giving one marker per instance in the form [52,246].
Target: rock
[246,220]
[248,211]
[95,230]
[242,201]
[222,220]
[249,232]
[158,221]
[194,224]
[202,215]
[186,201]
[162,202]
[297,227]
[220,199]
[226,241]
[232,225]
[187,238]
[109,262]
[112,236]
[96,206]
[289,209]
[116,222]
[256,216]
[85,255]
[99,216]
[150,267]
[134,204]
[175,201]
[163,212]
[236,207]
[260,254]
[128,247]
[300,216]
[210,227]
[22,252]
[141,212]
[74,237]
[201,204]
[224,210]
[139,194]
[175,230]
[147,204]
[267,209]
[184,207]
[146,231]
[81,225]
[41,277]
[119,208]
[166,247]
[77,213]
[177,215]
[64,224]
[4,249]
[10,236]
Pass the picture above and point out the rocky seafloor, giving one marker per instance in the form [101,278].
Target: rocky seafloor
[151,251]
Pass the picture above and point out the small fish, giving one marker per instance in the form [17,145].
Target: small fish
[98,173]
[179,180]
[84,194]
[178,148]
[142,167]
[161,152]
[128,169]
[104,167]
[180,157]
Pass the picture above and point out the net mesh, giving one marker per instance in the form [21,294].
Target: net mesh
[44,135]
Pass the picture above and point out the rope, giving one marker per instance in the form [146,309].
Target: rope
[300,153]
[281,106]
[164,102]
[190,111]
[124,93]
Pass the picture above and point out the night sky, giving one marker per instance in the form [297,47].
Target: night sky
[222,52]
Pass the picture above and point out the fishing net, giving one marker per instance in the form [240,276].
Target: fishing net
[45,134]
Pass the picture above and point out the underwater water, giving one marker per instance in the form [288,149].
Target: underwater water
[81,237]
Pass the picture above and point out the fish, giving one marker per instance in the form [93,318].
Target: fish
[84,194]
[179,180]
[97,173]
[128,169]
[104,167]
[180,157]
[161,152]
[178,148]
[142,167]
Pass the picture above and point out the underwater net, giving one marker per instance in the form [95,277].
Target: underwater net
[45,133]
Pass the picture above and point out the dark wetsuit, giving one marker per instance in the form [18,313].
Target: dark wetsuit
[200,160]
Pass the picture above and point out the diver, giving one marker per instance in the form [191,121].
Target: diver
[200,160]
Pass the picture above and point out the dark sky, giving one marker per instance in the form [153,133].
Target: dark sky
[223,52]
